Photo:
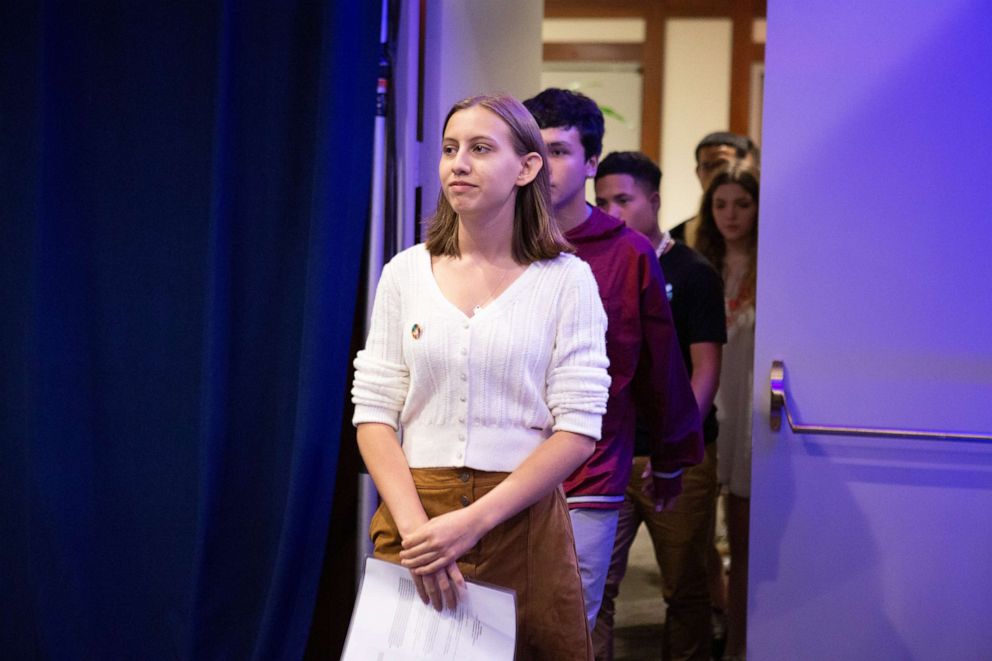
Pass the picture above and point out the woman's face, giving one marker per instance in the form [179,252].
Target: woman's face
[479,168]
[734,211]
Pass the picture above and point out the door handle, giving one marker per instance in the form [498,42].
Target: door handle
[780,403]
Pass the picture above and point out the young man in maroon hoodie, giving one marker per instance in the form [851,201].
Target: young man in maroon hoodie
[648,375]
[628,187]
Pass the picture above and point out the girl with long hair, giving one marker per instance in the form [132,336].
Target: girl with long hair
[728,237]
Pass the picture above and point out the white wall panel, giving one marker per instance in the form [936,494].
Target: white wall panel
[695,101]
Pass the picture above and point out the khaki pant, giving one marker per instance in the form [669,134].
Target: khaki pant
[681,539]
[532,553]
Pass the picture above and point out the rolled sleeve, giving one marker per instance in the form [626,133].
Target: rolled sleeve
[578,383]
[382,379]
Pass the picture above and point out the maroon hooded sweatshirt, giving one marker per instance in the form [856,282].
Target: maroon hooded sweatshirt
[646,367]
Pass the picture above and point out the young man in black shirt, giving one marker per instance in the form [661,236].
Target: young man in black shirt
[627,187]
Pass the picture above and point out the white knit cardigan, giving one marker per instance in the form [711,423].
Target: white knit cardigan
[483,391]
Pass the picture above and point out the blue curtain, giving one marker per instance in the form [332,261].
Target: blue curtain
[183,197]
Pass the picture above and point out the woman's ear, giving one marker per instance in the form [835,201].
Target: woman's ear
[530,165]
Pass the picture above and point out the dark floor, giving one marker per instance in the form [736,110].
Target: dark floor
[636,642]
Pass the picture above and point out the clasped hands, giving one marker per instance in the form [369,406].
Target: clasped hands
[431,552]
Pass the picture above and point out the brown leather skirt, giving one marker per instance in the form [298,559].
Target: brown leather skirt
[532,553]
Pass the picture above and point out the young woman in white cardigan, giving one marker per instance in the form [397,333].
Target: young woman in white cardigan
[487,350]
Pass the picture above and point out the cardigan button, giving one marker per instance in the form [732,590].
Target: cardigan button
[463,476]
[461,437]
[465,501]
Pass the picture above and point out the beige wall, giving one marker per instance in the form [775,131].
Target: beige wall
[610,30]
[695,101]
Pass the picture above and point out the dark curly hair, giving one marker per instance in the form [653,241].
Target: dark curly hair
[742,144]
[557,108]
[633,163]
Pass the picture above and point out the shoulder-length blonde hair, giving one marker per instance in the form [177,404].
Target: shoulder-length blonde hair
[709,241]
[535,233]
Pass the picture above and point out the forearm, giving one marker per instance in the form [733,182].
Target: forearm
[384,458]
[541,472]
[706,359]
[704,388]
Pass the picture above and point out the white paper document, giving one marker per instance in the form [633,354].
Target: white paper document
[391,623]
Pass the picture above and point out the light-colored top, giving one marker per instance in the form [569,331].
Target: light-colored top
[733,399]
[483,391]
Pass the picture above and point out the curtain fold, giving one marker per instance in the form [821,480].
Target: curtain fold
[185,193]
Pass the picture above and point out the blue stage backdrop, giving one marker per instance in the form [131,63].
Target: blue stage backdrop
[183,200]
